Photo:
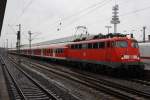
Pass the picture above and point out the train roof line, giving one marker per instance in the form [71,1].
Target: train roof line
[72,39]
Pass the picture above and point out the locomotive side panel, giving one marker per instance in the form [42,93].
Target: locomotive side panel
[87,51]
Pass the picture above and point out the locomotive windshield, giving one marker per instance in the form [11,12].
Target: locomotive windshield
[121,44]
[134,44]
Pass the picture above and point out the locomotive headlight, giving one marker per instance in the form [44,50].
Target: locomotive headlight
[136,57]
[125,57]
[130,57]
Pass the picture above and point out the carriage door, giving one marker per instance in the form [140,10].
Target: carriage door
[54,51]
[108,51]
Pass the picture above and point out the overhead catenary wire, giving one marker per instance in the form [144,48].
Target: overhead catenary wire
[94,6]
[82,13]
[90,11]
[135,11]
[79,13]
[23,11]
[79,16]
[125,14]
[128,13]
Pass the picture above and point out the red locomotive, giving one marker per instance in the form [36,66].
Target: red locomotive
[109,53]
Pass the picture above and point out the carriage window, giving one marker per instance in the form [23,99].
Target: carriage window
[121,44]
[79,46]
[62,50]
[95,45]
[112,44]
[84,46]
[72,46]
[76,46]
[102,45]
[134,44]
[89,45]
[59,50]
[108,44]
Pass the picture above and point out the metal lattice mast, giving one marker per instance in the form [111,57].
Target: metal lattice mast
[144,28]
[115,17]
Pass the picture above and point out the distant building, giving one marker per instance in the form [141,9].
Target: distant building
[148,37]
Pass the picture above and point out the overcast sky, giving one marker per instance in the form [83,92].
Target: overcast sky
[42,17]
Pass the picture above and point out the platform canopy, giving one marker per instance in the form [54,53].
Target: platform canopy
[2,12]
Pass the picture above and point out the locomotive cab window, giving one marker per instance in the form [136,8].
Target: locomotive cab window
[121,44]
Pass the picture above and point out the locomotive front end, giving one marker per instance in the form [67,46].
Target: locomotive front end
[129,55]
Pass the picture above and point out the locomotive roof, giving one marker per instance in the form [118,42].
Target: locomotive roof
[100,40]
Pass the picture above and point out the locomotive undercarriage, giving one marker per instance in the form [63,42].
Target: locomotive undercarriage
[117,69]
[109,68]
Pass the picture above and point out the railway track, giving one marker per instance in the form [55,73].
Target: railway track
[105,86]
[143,82]
[22,86]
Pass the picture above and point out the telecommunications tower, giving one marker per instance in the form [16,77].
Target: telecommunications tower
[115,17]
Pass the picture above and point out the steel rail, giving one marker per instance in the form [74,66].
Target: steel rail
[105,82]
[101,81]
[5,69]
[125,88]
[93,84]
[49,94]
[52,96]
[143,82]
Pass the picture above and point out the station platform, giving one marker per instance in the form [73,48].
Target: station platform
[3,88]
